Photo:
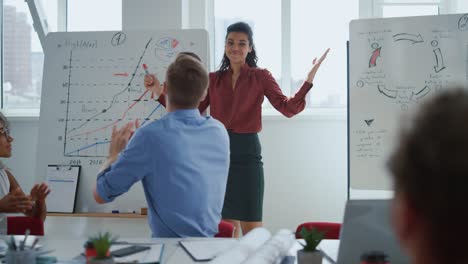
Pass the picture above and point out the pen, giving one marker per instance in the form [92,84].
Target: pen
[34,243]
[13,243]
[145,67]
[26,234]
[161,254]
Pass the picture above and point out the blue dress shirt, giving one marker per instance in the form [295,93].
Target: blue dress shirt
[182,160]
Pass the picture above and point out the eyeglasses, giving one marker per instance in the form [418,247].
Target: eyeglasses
[5,131]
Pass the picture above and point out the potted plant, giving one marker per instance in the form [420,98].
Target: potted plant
[310,254]
[101,244]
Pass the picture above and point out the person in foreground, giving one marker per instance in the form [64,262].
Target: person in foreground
[182,159]
[12,197]
[430,172]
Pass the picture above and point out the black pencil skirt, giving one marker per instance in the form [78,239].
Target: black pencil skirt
[245,185]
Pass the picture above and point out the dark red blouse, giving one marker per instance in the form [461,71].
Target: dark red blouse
[240,110]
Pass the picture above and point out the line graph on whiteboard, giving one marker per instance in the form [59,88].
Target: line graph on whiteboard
[112,95]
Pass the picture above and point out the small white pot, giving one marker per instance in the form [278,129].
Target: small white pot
[306,257]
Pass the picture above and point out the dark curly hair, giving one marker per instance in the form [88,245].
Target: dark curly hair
[430,167]
[251,59]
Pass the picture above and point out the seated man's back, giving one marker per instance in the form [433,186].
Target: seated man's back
[181,159]
[182,162]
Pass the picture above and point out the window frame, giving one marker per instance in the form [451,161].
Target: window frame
[374,8]
[367,9]
[29,114]
[335,113]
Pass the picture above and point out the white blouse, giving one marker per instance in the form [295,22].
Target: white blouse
[4,183]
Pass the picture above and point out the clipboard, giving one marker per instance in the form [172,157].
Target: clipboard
[63,183]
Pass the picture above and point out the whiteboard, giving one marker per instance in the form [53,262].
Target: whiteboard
[92,81]
[394,65]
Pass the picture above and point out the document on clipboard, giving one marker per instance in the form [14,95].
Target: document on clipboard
[63,185]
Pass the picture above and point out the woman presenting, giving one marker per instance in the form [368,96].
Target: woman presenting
[235,96]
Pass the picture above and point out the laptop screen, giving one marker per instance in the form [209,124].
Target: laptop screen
[366,229]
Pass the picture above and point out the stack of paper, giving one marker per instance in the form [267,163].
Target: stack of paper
[204,250]
[258,247]
[273,250]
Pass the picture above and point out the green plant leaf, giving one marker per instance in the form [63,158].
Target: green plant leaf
[102,243]
[312,238]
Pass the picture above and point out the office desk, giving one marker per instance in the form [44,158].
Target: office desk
[330,248]
[67,249]
[67,235]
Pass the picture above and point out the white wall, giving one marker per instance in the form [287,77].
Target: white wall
[305,170]
[304,161]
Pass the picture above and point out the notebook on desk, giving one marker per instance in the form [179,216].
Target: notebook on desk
[366,227]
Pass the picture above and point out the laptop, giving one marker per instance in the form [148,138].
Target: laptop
[366,227]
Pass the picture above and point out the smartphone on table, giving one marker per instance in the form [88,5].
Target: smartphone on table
[122,252]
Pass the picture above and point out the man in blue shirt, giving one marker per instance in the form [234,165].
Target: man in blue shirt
[182,159]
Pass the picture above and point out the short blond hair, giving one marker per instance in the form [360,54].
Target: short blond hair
[187,81]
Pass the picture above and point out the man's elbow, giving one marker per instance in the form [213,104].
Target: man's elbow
[98,198]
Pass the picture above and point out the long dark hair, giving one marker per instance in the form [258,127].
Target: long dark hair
[251,56]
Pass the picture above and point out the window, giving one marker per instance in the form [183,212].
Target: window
[267,44]
[314,28]
[402,8]
[462,6]
[288,35]
[304,29]
[91,15]
[22,57]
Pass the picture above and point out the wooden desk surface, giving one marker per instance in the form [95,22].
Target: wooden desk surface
[111,215]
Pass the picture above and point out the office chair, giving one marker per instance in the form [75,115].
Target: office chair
[225,229]
[332,230]
[17,225]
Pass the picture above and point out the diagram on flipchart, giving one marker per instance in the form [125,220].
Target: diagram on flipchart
[395,64]
[93,111]
[93,81]
[102,90]
[421,52]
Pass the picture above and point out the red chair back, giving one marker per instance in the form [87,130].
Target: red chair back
[17,225]
[332,230]
[225,229]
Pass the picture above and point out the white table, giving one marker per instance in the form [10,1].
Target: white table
[67,235]
[330,248]
[67,249]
